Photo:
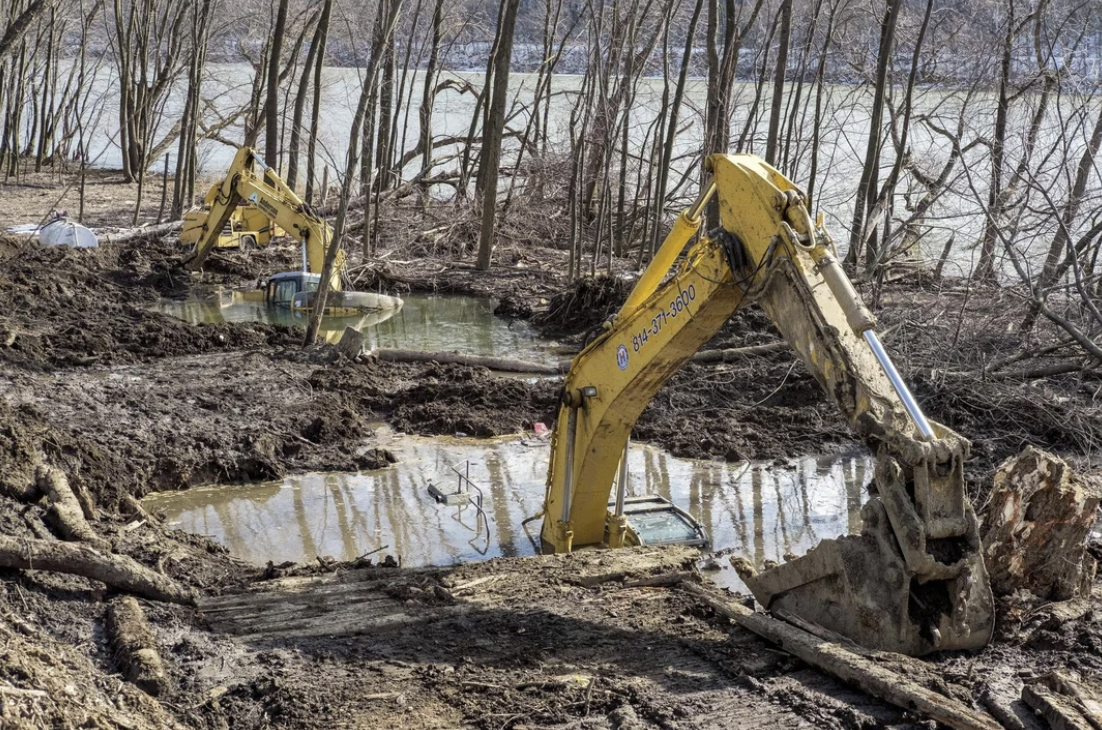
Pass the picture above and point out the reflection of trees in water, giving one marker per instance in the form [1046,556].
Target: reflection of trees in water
[364,536]
[449,323]
[731,497]
[393,513]
[784,502]
[855,474]
[656,475]
[499,481]
[243,521]
[759,517]
[309,547]
[664,474]
[330,513]
[701,494]
[347,532]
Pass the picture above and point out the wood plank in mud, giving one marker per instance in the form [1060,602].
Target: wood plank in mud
[369,600]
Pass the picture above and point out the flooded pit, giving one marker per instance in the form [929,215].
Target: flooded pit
[431,323]
[759,510]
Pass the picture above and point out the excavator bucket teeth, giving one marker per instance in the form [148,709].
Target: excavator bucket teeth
[860,586]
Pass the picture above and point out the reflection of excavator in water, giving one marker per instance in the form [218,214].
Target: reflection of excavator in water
[914,580]
[266,191]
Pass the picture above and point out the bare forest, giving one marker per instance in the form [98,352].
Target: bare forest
[501,172]
[956,138]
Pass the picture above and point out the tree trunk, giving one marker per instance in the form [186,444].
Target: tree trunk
[779,74]
[299,110]
[271,104]
[117,571]
[388,20]
[315,110]
[671,130]
[1036,524]
[865,200]
[134,648]
[985,269]
[428,97]
[492,135]
[850,665]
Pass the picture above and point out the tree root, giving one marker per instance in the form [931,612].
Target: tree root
[132,641]
[117,571]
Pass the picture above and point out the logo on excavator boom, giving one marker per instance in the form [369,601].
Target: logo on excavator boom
[622,357]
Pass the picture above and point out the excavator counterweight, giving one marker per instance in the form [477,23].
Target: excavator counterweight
[913,580]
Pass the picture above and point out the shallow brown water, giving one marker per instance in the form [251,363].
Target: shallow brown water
[432,323]
[758,510]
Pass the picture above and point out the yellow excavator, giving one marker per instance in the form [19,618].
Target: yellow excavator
[247,228]
[249,179]
[913,581]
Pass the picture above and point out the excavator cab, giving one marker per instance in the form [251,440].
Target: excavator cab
[287,289]
[654,520]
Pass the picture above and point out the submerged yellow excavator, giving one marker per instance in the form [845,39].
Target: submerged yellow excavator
[913,580]
[251,180]
[247,228]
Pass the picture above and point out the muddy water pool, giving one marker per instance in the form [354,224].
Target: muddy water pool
[432,323]
[758,510]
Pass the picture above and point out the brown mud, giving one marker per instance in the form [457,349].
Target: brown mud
[126,401]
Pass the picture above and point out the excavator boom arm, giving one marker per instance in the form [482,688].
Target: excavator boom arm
[920,535]
[250,179]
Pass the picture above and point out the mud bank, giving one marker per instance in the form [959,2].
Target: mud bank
[126,402]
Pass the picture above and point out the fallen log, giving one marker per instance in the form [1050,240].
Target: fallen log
[1035,527]
[659,581]
[561,367]
[142,232]
[1064,701]
[129,505]
[66,511]
[117,571]
[739,353]
[134,650]
[849,667]
[1003,710]
[493,363]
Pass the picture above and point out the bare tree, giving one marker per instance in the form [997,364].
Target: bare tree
[495,126]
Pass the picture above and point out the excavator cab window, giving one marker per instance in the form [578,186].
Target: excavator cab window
[282,288]
[280,293]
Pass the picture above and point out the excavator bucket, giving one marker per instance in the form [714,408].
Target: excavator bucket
[883,594]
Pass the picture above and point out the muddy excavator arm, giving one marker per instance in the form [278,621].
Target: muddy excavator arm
[913,581]
[250,179]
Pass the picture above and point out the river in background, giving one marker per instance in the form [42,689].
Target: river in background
[759,510]
[841,147]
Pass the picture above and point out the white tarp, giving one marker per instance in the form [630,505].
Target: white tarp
[60,232]
[63,232]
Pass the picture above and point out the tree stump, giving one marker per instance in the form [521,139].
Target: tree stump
[1036,525]
[352,343]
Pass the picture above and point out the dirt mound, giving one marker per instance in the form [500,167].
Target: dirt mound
[767,409]
[83,306]
[512,306]
[443,399]
[583,306]
[178,423]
